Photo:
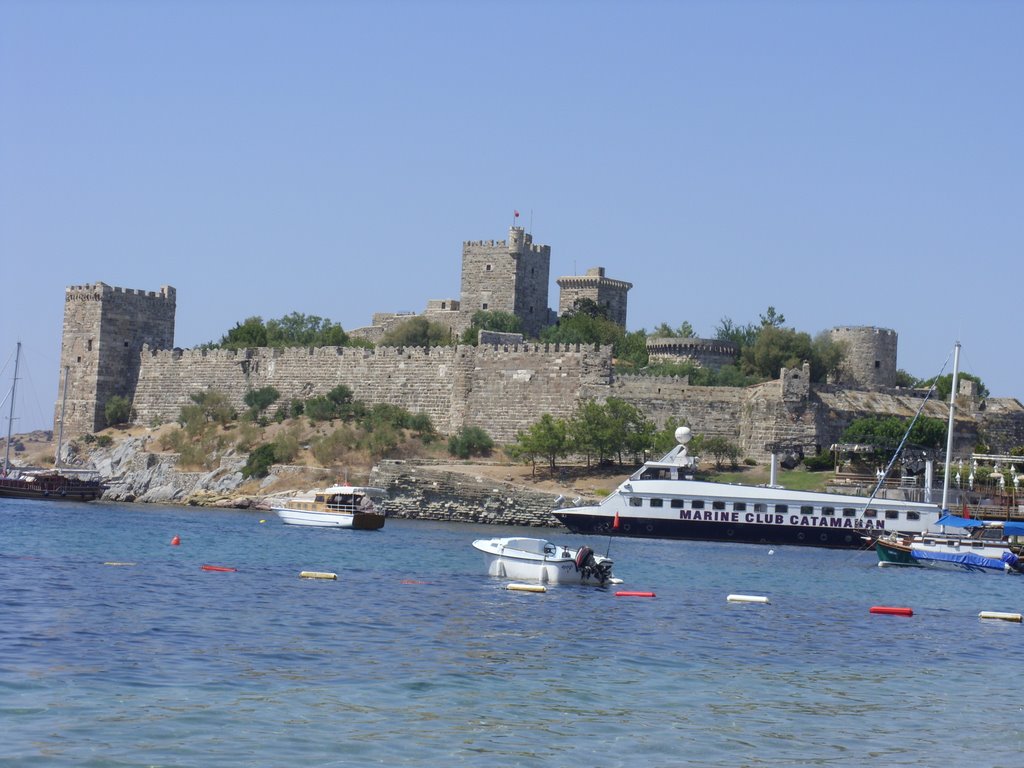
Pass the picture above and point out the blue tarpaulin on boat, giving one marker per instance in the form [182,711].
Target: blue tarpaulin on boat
[966,559]
[952,521]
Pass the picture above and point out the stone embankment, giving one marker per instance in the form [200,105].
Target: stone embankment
[428,493]
[415,491]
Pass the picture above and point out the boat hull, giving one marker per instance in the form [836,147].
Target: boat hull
[50,490]
[359,521]
[895,554]
[711,530]
[546,564]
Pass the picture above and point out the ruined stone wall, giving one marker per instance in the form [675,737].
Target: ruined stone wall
[105,329]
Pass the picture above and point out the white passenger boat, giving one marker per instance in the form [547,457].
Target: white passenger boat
[663,500]
[340,506]
[539,560]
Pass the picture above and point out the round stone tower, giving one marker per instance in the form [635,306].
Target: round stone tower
[870,361]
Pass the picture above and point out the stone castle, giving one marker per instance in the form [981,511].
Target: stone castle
[121,342]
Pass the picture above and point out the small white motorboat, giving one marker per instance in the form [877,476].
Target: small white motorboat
[539,560]
[340,506]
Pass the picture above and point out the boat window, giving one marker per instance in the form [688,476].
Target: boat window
[848,512]
[805,510]
[913,516]
[657,502]
[636,501]
[718,505]
[678,503]
[697,504]
[978,544]
[319,498]
[828,511]
[759,507]
[892,514]
[870,513]
[781,509]
[739,506]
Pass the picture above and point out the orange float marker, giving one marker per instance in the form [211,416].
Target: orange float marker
[892,610]
[221,568]
[624,593]
[175,541]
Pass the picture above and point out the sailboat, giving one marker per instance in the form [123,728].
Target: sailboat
[976,546]
[50,484]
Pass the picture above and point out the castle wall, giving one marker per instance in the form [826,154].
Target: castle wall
[503,390]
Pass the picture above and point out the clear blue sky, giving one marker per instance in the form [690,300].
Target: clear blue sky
[849,163]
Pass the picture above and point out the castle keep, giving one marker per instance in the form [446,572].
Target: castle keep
[105,330]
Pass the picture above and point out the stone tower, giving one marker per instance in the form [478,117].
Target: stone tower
[602,290]
[507,276]
[105,329]
[870,361]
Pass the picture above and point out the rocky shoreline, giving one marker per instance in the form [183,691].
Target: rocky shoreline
[416,491]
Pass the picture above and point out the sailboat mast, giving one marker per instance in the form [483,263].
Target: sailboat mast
[63,407]
[10,417]
[949,428]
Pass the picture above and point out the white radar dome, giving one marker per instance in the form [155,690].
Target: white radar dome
[683,435]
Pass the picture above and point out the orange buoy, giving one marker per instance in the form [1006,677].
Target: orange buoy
[891,610]
[634,594]
[175,541]
[222,568]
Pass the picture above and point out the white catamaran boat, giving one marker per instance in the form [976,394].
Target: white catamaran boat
[663,500]
[527,559]
[340,506]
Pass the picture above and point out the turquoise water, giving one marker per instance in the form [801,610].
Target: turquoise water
[413,657]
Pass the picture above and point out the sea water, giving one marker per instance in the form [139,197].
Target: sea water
[414,657]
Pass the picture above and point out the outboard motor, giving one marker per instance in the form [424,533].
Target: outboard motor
[1012,562]
[590,568]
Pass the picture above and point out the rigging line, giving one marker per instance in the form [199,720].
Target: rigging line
[931,390]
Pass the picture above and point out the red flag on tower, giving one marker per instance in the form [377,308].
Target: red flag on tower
[516,213]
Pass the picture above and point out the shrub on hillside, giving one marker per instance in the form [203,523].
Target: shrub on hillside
[470,441]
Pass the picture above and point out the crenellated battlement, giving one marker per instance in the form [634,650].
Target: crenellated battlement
[99,291]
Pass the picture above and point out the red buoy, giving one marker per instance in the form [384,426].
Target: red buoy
[892,611]
[634,594]
[175,541]
[222,568]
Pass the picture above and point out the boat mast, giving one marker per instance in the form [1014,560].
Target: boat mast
[63,406]
[10,418]
[949,428]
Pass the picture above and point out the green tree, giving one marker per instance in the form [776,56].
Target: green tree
[776,348]
[630,352]
[547,438]
[259,400]
[684,331]
[249,333]
[259,462]
[721,450]
[826,356]
[417,332]
[944,385]
[118,410]
[299,330]
[470,441]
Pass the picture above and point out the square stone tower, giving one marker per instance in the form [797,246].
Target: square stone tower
[507,276]
[603,291]
[105,329]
